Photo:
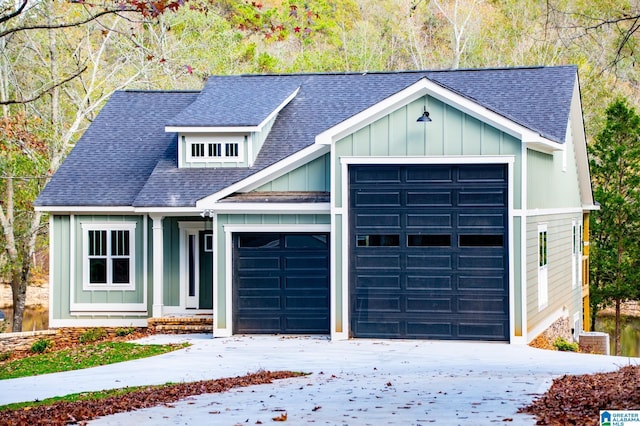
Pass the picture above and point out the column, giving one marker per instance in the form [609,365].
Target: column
[158,255]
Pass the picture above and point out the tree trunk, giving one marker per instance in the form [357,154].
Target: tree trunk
[19,288]
[617,328]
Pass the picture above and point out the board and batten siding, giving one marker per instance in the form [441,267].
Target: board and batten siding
[562,297]
[313,176]
[68,265]
[220,250]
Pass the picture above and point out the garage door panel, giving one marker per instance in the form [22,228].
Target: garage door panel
[484,221]
[470,262]
[481,198]
[433,174]
[311,264]
[379,221]
[380,175]
[307,324]
[379,199]
[428,282]
[476,282]
[445,268]
[381,261]
[378,281]
[427,305]
[307,301]
[259,302]
[430,221]
[261,324]
[306,283]
[430,262]
[485,305]
[429,199]
[482,330]
[378,304]
[482,174]
[259,263]
[429,330]
[262,283]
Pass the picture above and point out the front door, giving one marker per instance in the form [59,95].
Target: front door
[199,269]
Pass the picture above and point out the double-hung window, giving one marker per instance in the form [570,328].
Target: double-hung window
[108,256]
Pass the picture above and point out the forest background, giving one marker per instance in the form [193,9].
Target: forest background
[61,60]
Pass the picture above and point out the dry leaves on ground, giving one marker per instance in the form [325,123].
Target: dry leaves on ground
[577,400]
[76,412]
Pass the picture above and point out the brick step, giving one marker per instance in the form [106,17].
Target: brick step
[182,325]
[183,328]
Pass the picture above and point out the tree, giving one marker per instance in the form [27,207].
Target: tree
[58,66]
[615,167]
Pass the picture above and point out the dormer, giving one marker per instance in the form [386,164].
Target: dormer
[227,128]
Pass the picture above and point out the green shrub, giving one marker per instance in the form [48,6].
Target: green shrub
[5,355]
[41,345]
[562,345]
[120,332]
[92,335]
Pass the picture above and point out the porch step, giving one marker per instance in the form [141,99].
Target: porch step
[181,325]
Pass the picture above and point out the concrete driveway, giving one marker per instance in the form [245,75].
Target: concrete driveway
[355,382]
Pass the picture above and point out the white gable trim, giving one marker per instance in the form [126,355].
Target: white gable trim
[266,175]
[234,129]
[425,87]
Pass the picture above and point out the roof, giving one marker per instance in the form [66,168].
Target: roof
[126,158]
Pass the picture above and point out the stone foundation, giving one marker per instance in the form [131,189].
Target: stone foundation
[560,328]
[61,337]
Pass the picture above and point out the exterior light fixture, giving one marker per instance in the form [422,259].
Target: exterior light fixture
[424,118]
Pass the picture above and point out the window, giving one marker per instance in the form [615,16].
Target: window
[108,256]
[211,148]
[197,150]
[543,259]
[215,150]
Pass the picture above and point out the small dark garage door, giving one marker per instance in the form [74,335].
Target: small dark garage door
[281,283]
[428,251]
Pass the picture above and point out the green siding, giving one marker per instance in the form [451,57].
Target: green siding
[248,219]
[313,176]
[451,133]
[545,172]
[60,254]
[561,294]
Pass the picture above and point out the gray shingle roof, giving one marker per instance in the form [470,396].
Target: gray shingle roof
[126,159]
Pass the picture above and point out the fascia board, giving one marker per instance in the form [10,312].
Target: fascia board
[85,209]
[265,175]
[268,208]
[211,129]
[425,87]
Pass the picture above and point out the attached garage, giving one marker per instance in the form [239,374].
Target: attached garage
[428,255]
[281,283]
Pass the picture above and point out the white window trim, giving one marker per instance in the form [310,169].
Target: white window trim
[86,227]
[543,270]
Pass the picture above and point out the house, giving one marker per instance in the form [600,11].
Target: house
[429,204]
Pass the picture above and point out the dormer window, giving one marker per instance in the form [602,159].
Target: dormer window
[211,149]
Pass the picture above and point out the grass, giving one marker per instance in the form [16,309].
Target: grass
[80,357]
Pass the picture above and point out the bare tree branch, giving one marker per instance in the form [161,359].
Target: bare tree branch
[45,91]
[11,15]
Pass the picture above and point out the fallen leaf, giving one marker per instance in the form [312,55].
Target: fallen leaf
[281,418]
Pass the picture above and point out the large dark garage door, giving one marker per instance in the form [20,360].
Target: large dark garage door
[281,283]
[428,251]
